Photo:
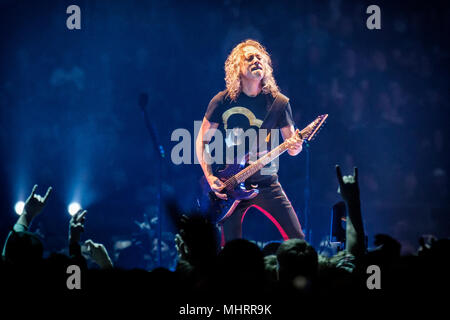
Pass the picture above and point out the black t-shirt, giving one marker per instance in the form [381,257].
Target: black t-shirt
[236,117]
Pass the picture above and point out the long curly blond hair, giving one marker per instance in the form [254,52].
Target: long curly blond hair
[233,70]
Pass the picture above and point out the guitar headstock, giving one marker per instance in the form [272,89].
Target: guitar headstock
[313,128]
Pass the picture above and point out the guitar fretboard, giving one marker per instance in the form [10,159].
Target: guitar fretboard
[307,133]
[260,163]
[257,165]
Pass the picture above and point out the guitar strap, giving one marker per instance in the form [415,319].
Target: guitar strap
[273,113]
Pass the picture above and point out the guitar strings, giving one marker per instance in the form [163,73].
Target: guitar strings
[242,174]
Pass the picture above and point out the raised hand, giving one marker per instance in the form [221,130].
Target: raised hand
[76,226]
[33,206]
[426,243]
[180,246]
[35,203]
[349,190]
[98,253]
[348,185]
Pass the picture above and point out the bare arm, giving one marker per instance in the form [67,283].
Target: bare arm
[33,207]
[205,135]
[289,132]
[349,189]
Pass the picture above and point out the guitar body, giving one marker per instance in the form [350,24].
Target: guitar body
[222,209]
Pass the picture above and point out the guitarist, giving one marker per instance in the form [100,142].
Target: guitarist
[250,93]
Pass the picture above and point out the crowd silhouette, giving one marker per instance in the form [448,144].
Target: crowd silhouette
[292,272]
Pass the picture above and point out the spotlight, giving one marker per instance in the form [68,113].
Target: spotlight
[19,207]
[73,208]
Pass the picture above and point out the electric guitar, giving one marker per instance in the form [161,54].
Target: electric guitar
[233,176]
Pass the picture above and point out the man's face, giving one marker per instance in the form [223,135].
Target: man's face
[252,63]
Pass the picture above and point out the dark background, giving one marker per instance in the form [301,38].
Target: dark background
[70,117]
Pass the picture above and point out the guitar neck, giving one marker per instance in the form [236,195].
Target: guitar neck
[306,134]
[260,163]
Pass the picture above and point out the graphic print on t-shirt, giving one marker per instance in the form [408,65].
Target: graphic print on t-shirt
[235,136]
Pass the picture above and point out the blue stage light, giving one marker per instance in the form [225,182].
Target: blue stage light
[73,208]
[19,207]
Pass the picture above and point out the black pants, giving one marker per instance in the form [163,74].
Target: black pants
[271,202]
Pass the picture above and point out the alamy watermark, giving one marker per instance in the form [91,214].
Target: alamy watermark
[74,279]
[374,20]
[184,151]
[374,280]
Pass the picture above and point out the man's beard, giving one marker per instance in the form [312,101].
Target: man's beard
[257,73]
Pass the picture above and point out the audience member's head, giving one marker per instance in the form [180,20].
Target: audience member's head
[271,268]
[387,250]
[23,248]
[241,264]
[271,248]
[296,258]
